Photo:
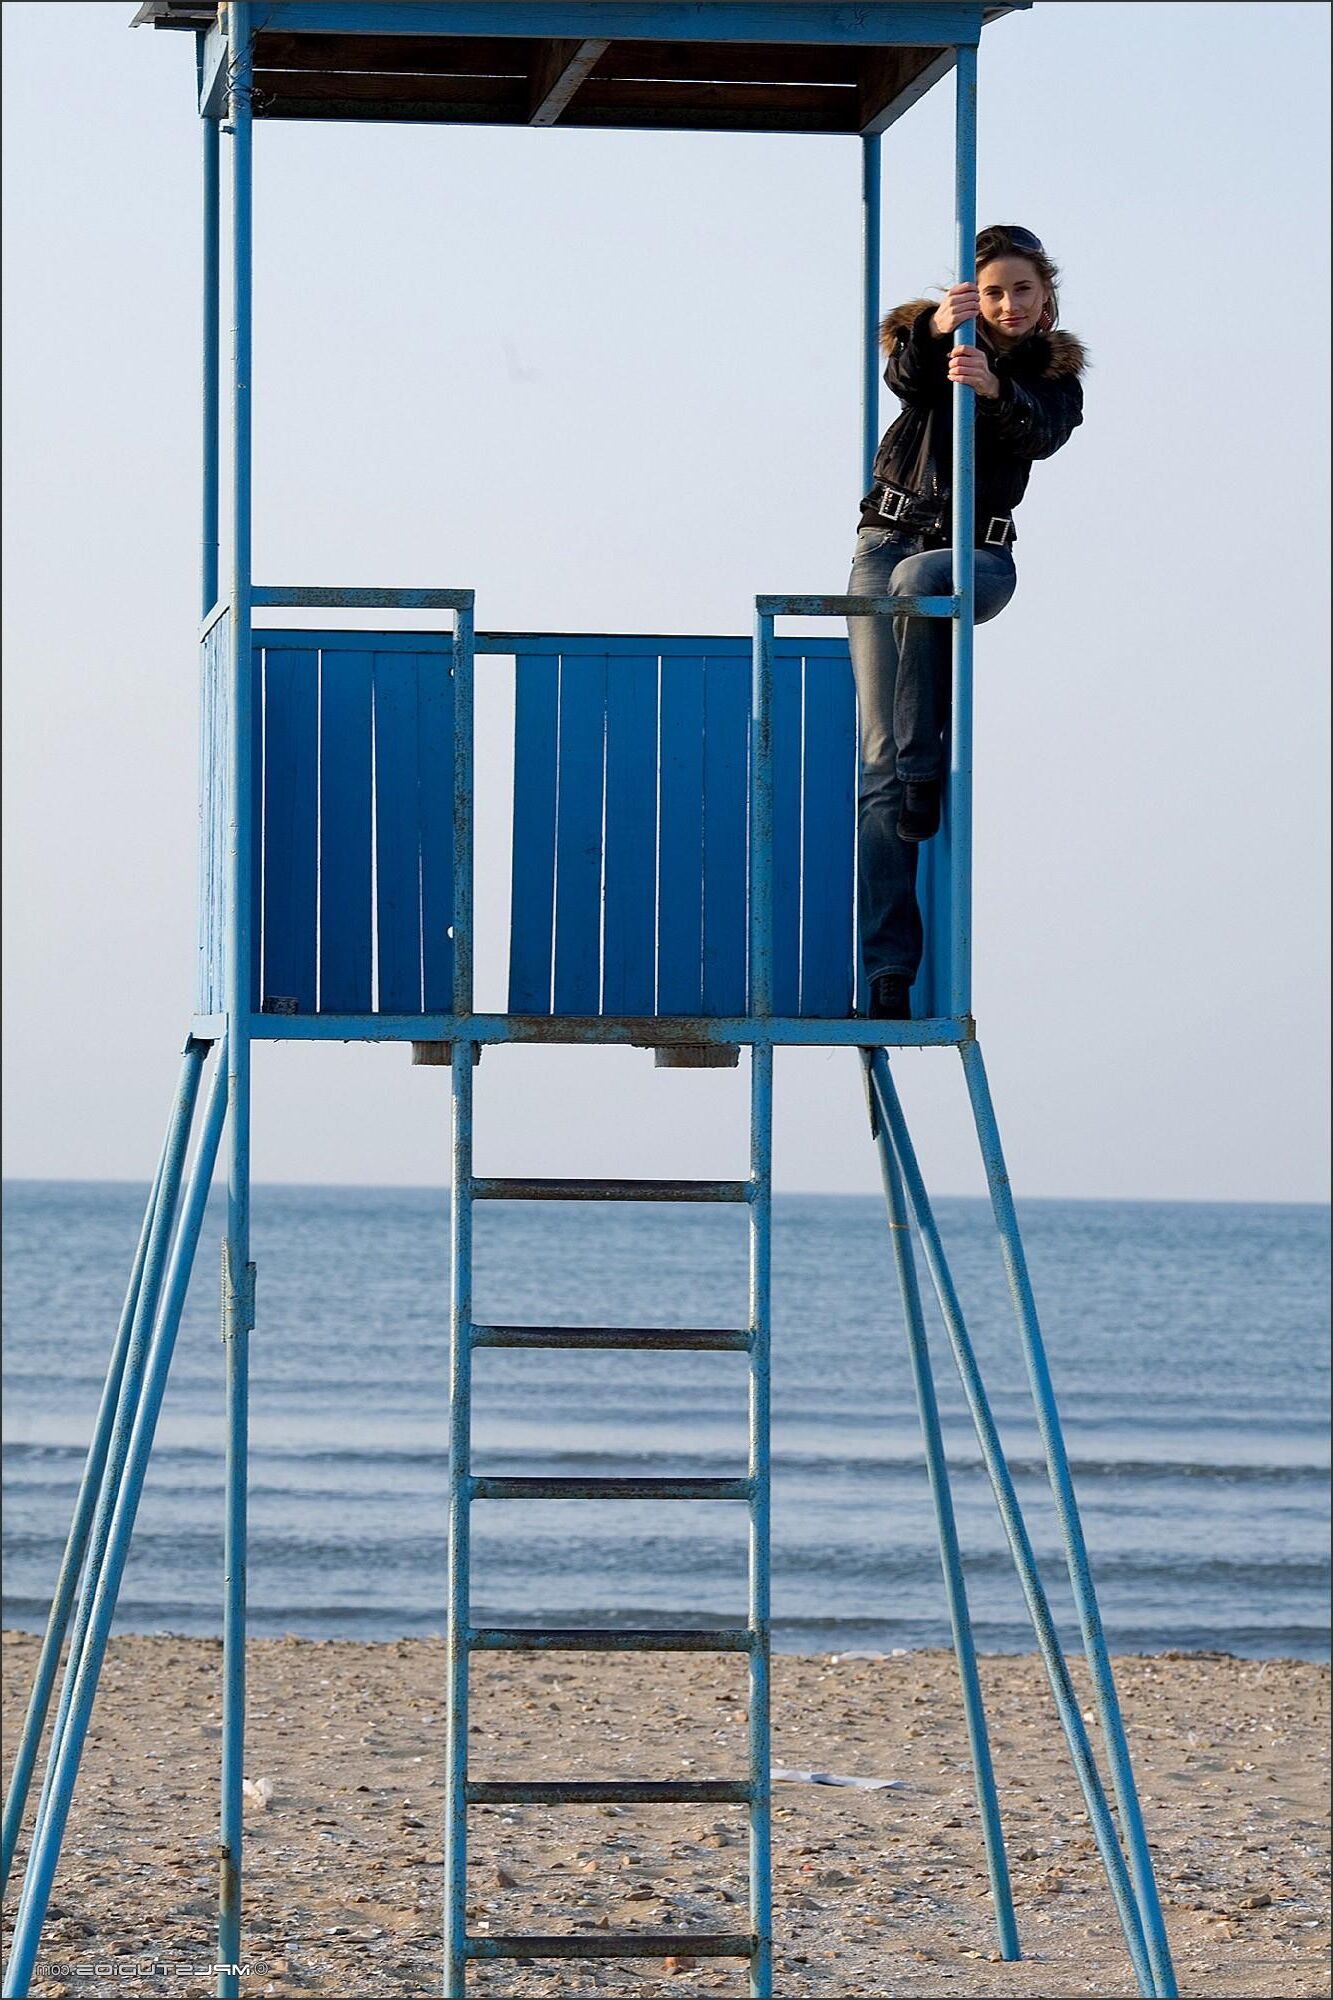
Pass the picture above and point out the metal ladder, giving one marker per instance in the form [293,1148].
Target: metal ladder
[752,1638]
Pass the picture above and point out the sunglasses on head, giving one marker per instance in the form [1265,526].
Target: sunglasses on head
[995,241]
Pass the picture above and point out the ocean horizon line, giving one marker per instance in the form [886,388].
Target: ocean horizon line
[1321,1204]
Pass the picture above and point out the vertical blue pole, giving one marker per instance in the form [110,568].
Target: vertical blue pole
[1071,1527]
[955,1585]
[460,1500]
[870,287]
[464,659]
[760,1778]
[890,1113]
[761,818]
[238,1273]
[964,536]
[208,568]
[69,1748]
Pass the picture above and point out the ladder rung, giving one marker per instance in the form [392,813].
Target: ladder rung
[706,1339]
[519,1190]
[576,1639]
[611,1944]
[610,1489]
[610,1792]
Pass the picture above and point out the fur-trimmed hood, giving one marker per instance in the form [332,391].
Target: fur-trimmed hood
[1067,354]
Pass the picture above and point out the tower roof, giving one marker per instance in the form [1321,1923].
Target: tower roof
[732,66]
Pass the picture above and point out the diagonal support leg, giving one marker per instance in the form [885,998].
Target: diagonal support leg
[104,1469]
[1025,1562]
[68,1749]
[76,1545]
[1071,1527]
[950,1555]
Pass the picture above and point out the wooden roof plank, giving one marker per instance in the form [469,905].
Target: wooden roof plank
[403,55]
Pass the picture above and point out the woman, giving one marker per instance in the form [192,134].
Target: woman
[1028,401]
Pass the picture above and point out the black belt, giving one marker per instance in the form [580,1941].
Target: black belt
[915,515]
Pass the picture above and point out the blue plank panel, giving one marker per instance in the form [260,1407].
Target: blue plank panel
[216,707]
[397,840]
[291,725]
[345,837]
[726,759]
[258,754]
[828,840]
[532,892]
[578,846]
[680,839]
[358,642]
[524,645]
[787,676]
[630,928]
[435,784]
[203,985]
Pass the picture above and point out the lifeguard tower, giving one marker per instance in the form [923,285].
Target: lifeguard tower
[684,816]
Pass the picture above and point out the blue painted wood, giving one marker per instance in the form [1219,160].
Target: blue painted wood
[787,704]
[532,882]
[358,642]
[828,840]
[726,756]
[629,942]
[611,644]
[578,851]
[345,837]
[291,725]
[911,23]
[397,845]
[206,994]
[680,839]
[435,771]
[257,757]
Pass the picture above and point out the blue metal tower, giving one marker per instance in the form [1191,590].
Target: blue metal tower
[685,825]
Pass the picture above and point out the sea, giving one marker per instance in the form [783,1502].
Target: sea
[1188,1344]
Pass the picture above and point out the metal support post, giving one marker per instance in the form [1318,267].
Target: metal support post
[870,243]
[1071,1527]
[761,818]
[890,1115]
[759,1733]
[238,1274]
[951,1560]
[964,535]
[50,1829]
[463,669]
[209,513]
[460,1472]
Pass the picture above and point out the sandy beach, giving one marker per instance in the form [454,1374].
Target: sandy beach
[876,1893]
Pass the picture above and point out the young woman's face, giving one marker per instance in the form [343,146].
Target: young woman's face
[1012,297]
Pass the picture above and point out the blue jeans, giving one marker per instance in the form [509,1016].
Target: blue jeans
[903,670]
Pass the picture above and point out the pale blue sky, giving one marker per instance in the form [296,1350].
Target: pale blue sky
[610,380]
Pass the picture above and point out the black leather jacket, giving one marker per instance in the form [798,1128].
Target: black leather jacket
[1040,403]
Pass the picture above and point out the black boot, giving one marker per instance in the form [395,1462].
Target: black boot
[919,813]
[890,997]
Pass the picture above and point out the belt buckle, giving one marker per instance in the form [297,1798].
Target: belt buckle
[1005,524]
[902,502]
